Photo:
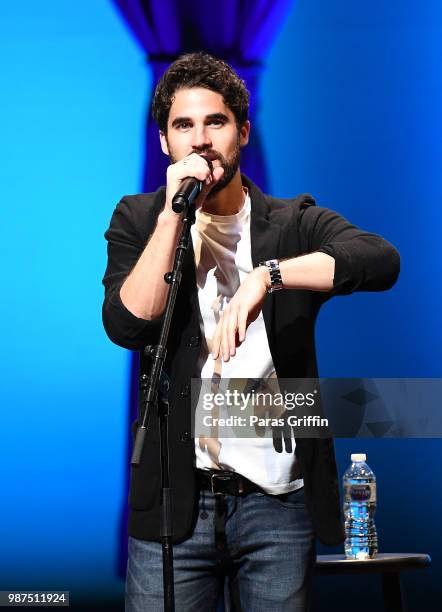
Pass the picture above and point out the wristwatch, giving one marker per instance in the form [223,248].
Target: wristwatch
[275,274]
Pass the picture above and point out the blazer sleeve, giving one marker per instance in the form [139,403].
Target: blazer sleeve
[363,261]
[126,241]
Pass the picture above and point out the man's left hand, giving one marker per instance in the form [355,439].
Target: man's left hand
[243,309]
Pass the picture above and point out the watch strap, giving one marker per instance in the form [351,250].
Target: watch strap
[275,274]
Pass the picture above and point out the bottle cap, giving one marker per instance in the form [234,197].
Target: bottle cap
[358,457]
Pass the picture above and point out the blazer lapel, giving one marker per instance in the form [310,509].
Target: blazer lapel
[264,236]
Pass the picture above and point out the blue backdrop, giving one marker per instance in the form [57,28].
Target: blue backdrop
[349,110]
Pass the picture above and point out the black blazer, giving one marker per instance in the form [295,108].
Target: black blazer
[279,228]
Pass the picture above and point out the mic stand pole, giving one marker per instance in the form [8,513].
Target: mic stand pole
[155,387]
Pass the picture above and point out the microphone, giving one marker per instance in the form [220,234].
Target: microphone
[189,189]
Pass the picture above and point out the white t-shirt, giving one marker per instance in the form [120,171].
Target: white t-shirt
[223,259]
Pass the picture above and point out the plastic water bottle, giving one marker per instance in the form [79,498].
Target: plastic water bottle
[361,540]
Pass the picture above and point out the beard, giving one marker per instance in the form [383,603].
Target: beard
[230,165]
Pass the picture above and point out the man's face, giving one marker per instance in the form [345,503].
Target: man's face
[200,122]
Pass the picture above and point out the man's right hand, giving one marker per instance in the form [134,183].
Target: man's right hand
[144,292]
[191,166]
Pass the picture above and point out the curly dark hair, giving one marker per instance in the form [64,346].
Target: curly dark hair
[200,70]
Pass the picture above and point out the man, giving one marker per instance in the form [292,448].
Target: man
[258,523]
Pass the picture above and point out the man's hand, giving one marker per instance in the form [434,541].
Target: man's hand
[242,309]
[191,166]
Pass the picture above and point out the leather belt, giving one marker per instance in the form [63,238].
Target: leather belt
[226,482]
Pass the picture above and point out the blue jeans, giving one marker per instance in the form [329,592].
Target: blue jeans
[271,556]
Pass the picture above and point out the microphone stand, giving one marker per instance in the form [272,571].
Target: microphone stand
[154,390]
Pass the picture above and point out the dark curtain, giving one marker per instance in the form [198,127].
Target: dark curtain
[238,31]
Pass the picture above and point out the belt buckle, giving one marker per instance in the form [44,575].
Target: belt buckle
[238,480]
[213,477]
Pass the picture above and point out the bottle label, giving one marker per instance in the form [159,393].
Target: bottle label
[360,492]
